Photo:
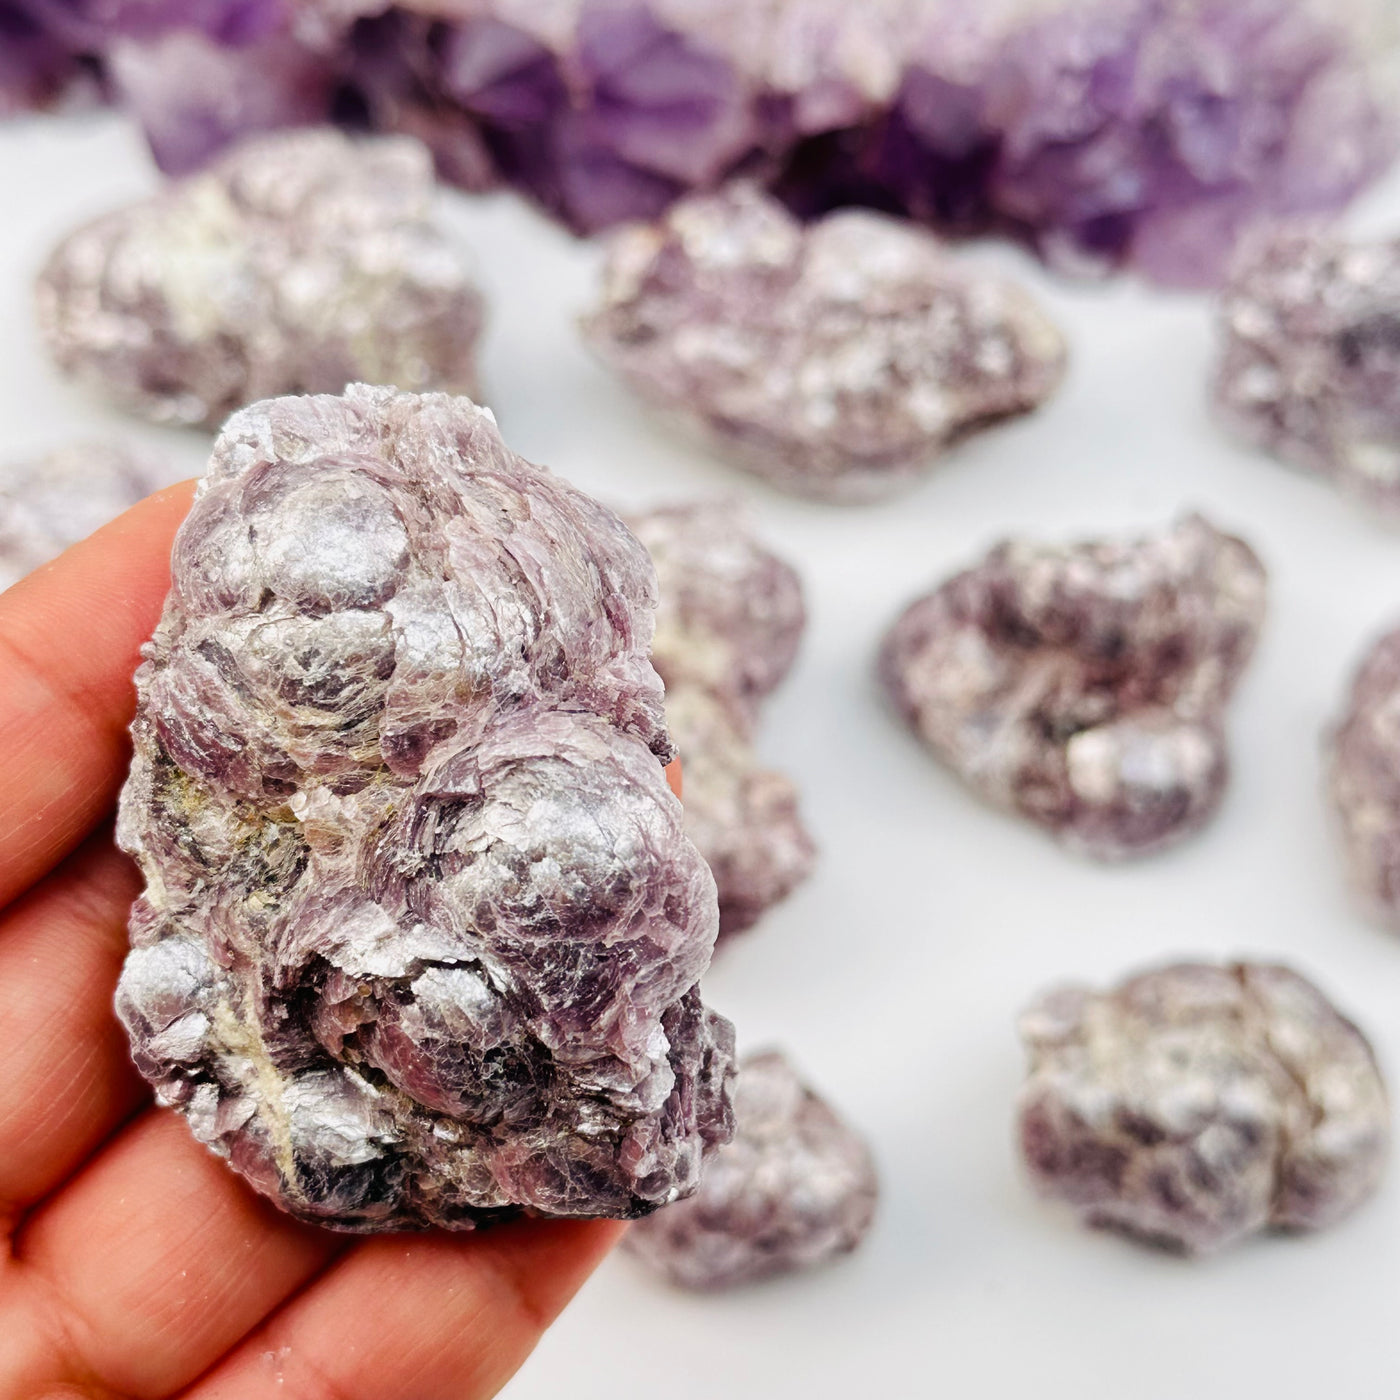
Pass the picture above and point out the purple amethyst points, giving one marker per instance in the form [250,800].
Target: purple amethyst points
[1311,368]
[1198,1104]
[794,1189]
[727,630]
[298,263]
[422,930]
[837,360]
[1084,687]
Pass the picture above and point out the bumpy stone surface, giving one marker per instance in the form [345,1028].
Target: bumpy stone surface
[836,360]
[422,931]
[52,501]
[727,629]
[1196,1104]
[795,1188]
[1085,686]
[299,263]
[1311,368]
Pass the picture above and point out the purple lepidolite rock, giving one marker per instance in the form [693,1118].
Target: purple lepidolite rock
[1196,1104]
[727,629]
[1084,686]
[422,930]
[52,501]
[796,1187]
[836,360]
[300,262]
[1311,367]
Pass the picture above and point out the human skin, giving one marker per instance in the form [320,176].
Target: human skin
[138,1265]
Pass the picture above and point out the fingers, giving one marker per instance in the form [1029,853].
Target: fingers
[69,641]
[673,776]
[434,1317]
[156,1260]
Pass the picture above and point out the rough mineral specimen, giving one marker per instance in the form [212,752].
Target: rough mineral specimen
[836,360]
[727,630]
[795,1188]
[1196,1104]
[1311,369]
[300,262]
[50,502]
[1085,686]
[422,931]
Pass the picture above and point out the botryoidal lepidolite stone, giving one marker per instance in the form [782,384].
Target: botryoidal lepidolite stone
[1197,1104]
[728,625]
[1084,686]
[795,1188]
[1311,366]
[297,264]
[836,360]
[422,930]
[61,497]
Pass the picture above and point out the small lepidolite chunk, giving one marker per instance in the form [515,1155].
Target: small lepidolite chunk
[1311,368]
[422,929]
[836,360]
[795,1188]
[52,501]
[298,263]
[1085,686]
[1197,1104]
[727,630]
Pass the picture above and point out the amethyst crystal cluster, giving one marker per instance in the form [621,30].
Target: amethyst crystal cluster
[1311,368]
[796,1187]
[1085,686]
[296,264]
[422,930]
[727,629]
[1197,1104]
[836,360]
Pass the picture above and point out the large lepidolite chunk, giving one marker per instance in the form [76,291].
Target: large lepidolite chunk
[1311,368]
[1196,1104]
[727,630]
[422,930]
[297,264]
[1084,686]
[836,360]
[795,1188]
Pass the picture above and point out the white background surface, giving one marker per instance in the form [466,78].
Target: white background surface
[894,976]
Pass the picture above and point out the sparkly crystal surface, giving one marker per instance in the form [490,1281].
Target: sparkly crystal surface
[1197,1104]
[836,360]
[1084,686]
[795,1188]
[728,625]
[422,931]
[297,264]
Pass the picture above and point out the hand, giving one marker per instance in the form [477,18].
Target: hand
[139,1264]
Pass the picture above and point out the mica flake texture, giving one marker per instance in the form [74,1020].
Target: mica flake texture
[422,931]
[727,630]
[836,360]
[1197,1104]
[795,1188]
[297,264]
[1084,687]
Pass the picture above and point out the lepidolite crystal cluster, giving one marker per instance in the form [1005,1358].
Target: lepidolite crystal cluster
[727,629]
[297,264]
[795,1188]
[836,360]
[1311,365]
[1197,1104]
[1084,686]
[422,930]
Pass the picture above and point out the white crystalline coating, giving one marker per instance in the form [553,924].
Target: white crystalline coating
[297,263]
[836,360]
[795,1188]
